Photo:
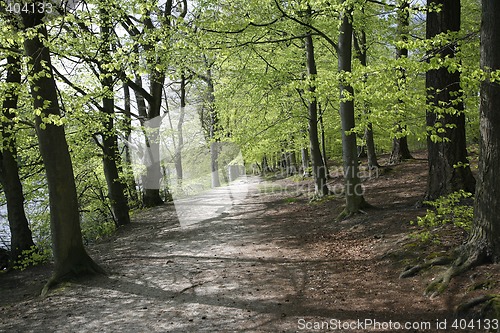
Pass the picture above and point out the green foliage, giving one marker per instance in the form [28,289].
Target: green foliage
[32,257]
[95,230]
[450,209]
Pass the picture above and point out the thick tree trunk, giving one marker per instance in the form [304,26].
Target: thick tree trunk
[445,113]
[318,168]
[400,150]
[69,254]
[485,235]
[152,180]
[20,233]
[156,81]
[353,188]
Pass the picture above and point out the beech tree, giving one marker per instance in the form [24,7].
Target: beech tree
[319,168]
[483,243]
[449,168]
[21,237]
[70,256]
[361,47]
[400,150]
[353,188]
[111,156]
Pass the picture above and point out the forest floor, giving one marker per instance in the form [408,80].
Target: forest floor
[271,262]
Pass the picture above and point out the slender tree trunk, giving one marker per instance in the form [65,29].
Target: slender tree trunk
[20,233]
[484,241]
[214,144]
[111,156]
[323,145]
[353,187]
[116,188]
[131,184]
[448,149]
[362,54]
[180,135]
[370,147]
[70,256]
[400,150]
[305,162]
[319,172]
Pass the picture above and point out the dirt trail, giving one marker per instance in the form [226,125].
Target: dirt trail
[271,263]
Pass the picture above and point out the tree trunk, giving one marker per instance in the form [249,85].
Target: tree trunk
[400,150]
[291,162]
[180,136]
[214,144]
[131,184]
[70,256]
[265,165]
[447,153]
[152,180]
[370,147]
[484,241]
[323,145]
[116,189]
[305,162]
[156,81]
[362,55]
[318,168]
[111,156]
[353,188]
[20,233]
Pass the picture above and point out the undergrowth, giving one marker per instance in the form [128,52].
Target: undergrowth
[454,209]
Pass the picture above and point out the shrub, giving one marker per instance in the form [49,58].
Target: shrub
[455,209]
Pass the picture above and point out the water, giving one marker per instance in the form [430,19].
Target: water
[4,228]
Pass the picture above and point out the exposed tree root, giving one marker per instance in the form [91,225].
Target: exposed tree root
[489,306]
[464,262]
[467,257]
[88,267]
[348,213]
[413,270]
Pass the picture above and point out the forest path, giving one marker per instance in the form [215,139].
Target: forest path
[270,263]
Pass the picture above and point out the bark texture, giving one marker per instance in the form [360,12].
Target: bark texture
[400,150]
[445,112]
[353,188]
[111,156]
[318,167]
[362,55]
[485,236]
[70,256]
[20,233]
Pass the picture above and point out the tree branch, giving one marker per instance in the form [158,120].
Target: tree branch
[319,32]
